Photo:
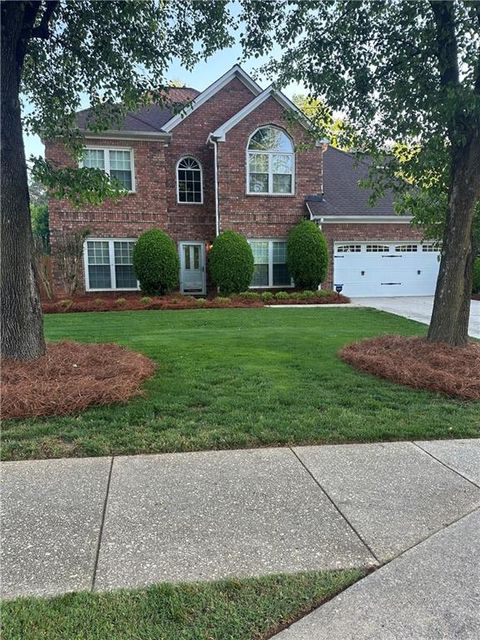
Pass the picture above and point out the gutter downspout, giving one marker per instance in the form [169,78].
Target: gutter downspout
[217,208]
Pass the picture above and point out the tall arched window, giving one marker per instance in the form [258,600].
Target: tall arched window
[271,161]
[189,181]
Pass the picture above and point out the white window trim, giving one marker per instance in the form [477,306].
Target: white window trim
[106,155]
[270,284]
[111,253]
[201,180]
[270,173]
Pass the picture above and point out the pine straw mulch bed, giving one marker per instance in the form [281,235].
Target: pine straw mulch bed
[454,371]
[169,303]
[70,377]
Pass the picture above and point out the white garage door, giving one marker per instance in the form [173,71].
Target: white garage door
[386,268]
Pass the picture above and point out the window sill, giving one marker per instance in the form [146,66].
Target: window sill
[195,204]
[271,195]
[111,290]
[274,286]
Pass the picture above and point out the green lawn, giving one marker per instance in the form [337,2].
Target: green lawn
[242,378]
[248,609]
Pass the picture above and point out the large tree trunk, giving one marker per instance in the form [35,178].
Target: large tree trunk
[21,313]
[451,309]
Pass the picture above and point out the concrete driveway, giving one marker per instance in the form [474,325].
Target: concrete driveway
[417,308]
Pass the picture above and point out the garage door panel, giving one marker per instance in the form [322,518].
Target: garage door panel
[371,270]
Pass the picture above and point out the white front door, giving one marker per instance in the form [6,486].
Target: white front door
[192,267]
[379,268]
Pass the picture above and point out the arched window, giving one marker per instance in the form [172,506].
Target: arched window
[271,159]
[189,181]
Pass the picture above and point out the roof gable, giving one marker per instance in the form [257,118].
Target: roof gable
[235,72]
[270,92]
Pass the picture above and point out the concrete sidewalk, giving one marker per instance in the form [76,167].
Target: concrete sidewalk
[103,523]
[431,592]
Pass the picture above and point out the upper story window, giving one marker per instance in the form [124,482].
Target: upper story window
[271,162]
[189,181]
[117,163]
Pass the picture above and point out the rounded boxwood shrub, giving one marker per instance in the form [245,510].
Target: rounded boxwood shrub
[156,263]
[307,255]
[230,263]
[476,276]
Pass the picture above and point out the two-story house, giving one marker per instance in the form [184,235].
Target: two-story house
[241,158]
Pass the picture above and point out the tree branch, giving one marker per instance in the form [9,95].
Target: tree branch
[447,52]
[43,29]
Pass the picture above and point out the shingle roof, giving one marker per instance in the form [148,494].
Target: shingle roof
[342,195]
[151,118]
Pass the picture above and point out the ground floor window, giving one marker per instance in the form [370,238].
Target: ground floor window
[109,264]
[270,258]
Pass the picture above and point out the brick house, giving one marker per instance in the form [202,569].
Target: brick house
[235,158]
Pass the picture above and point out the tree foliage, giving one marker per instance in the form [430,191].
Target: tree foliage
[307,255]
[230,263]
[335,129]
[156,263]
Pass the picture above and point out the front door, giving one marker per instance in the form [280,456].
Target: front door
[192,267]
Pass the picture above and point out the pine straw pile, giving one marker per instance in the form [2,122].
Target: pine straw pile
[70,377]
[454,371]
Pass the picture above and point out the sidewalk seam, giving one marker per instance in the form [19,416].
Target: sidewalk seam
[100,533]
[432,534]
[444,464]
[370,550]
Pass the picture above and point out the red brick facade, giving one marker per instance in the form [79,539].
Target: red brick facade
[154,203]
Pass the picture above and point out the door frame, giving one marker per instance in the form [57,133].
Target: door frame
[201,244]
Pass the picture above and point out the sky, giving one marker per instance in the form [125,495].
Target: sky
[203,75]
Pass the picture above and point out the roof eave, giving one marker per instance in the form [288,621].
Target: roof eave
[127,135]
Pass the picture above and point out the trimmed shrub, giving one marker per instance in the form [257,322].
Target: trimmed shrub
[476,276]
[307,255]
[145,300]
[156,263]
[282,295]
[222,300]
[267,296]
[230,263]
[249,295]
[121,302]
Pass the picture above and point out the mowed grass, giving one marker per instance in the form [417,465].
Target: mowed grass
[249,609]
[231,378]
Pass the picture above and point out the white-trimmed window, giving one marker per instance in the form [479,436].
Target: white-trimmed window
[270,259]
[109,264]
[378,248]
[117,163]
[189,181]
[349,248]
[406,248]
[270,162]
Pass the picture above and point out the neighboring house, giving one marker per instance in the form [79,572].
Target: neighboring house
[235,158]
